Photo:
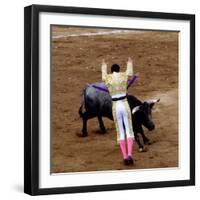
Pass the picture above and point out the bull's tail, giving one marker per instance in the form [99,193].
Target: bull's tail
[82,107]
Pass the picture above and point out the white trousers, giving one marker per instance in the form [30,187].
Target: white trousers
[122,120]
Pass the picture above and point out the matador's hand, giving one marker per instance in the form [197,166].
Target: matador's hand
[130,60]
[103,62]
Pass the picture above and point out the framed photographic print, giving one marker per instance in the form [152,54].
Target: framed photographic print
[109,99]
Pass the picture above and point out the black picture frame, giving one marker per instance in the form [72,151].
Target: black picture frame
[31,98]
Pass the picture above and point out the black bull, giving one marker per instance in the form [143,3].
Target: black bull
[97,103]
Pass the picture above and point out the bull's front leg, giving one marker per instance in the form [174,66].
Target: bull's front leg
[137,139]
[137,129]
[145,139]
[101,124]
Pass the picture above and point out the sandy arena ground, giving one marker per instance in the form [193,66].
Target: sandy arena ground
[76,61]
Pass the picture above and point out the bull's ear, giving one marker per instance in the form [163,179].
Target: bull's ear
[152,102]
[135,109]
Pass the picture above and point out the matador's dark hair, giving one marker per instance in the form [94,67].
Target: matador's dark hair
[115,68]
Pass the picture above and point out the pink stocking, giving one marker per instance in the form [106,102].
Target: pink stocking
[130,146]
[123,148]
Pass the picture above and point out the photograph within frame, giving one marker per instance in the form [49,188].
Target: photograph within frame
[32,175]
[155,54]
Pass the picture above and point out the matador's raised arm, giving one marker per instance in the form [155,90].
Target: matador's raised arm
[129,68]
[104,70]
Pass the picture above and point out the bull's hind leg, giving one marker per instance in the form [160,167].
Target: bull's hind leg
[84,129]
[85,118]
[101,125]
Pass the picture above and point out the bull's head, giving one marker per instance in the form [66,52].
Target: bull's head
[143,114]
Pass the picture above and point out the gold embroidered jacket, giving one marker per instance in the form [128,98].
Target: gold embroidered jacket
[117,81]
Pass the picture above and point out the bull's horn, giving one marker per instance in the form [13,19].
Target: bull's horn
[153,101]
[135,109]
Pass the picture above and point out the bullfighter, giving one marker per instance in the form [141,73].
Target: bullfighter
[116,83]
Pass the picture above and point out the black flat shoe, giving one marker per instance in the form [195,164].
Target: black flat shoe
[130,160]
[126,161]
